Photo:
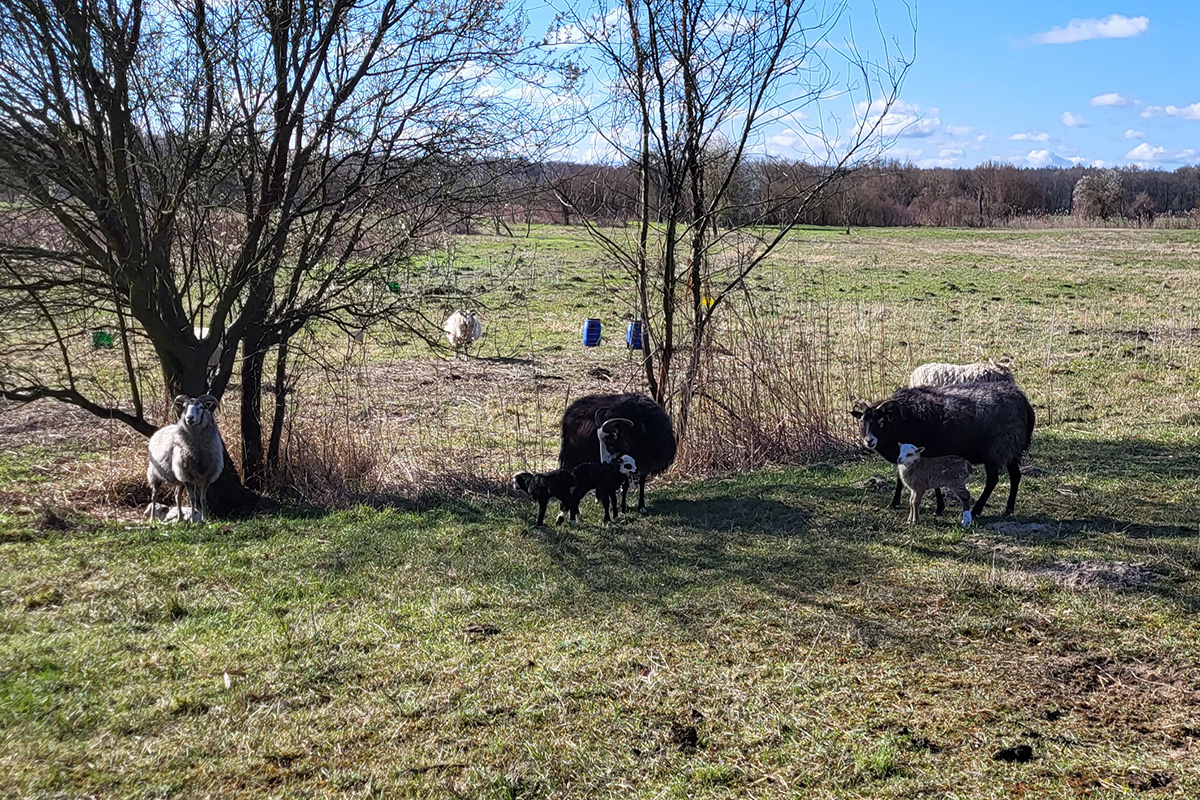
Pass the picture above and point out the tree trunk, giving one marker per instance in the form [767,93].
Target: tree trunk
[253,461]
[277,419]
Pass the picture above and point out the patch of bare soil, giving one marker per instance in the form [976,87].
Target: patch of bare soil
[1155,700]
[1099,574]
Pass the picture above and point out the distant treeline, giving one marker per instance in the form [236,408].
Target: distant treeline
[889,194]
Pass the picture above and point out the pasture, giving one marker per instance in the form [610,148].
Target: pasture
[403,630]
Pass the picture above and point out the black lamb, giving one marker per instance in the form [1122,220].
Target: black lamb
[557,485]
[599,427]
[985,423]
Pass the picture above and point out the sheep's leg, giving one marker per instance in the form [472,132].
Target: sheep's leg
[993,476]
[964,497]
[179,490]
[642,495]
[203,492]
[896,496]
[1014,480]
[542,503]
[153,497]
[941,501]
[914,505]
[603,498]
[625,495]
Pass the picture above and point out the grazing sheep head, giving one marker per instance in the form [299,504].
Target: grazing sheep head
[909,454]
[876,427]
[611,433]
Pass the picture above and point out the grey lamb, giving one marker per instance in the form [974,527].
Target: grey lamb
[188,455]
[922,474]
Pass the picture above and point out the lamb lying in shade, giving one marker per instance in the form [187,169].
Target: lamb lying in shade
[921,475]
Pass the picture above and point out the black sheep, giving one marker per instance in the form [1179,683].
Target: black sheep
[557,485]
[985,423]
[627,424]
[604,478]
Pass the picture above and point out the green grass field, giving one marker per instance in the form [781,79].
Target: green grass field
[776,633]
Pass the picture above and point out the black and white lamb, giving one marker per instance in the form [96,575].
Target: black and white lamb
[922,474]
[543,487]
[985,423]
[599,427]
[605,479]
[187,456]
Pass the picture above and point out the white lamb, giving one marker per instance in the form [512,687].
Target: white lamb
[923,474]
[936,374]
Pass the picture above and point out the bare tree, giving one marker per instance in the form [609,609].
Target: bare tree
[690,86]
[250,166]
[1097,195]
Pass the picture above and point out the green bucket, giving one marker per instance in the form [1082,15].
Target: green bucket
[102,340]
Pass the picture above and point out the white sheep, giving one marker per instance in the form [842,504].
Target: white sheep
[462,328]
[187,456]
[923,474]
[936,374]
[214,358]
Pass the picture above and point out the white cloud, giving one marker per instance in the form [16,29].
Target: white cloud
[903,119]
[1132,134]
[1114,26]
[1047,158]
[1183,112]
[1029,136]
[981,137]
[1073,120]
[1113,99]
[1146,154]
[958,130]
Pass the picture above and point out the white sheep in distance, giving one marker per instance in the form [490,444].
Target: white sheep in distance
[923,474]
[936,374]
[462,329]
[187,456]
[214,358]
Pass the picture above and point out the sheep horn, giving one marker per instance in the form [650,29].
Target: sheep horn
[208,401]
[614,420]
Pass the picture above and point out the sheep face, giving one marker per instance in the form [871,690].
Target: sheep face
[195,412]
[909,454]
[628,466]
[875,428]
[612,436]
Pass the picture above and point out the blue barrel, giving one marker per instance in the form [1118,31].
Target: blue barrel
[633,335]
[591,332]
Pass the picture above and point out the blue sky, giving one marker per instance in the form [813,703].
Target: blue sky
[1040,83]
[1034,83]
